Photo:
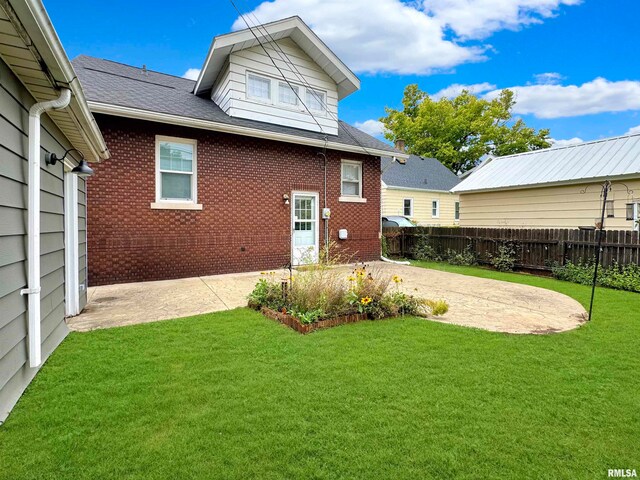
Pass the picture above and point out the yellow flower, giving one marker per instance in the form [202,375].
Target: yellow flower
[397,279]
[351,278]
[365,300]
[263,273]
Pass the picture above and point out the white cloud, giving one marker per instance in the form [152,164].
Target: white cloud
[192,74]
[456,89]
[414,37]
[555,101]
[374,128]
[633,130]
[549,78]
[480,18]
[565,143]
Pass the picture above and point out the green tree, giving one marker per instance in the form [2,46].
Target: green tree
[460,131]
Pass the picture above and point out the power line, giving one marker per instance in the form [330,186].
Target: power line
[277,67]
[300,76]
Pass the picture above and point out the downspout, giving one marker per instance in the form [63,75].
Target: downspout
[33,254]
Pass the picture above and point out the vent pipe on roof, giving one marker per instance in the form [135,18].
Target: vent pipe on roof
[33,254]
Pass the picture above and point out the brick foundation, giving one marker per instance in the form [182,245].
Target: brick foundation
[244,224]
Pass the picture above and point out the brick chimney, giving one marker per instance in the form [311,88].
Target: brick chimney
[399,144]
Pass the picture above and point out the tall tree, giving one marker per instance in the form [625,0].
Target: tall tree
[460,131]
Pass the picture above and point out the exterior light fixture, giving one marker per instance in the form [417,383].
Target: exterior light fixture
[285,197]
[82,169]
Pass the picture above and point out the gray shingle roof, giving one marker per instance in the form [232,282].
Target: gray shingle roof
[418,172]
[114,83]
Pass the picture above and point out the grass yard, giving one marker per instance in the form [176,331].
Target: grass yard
[234,395]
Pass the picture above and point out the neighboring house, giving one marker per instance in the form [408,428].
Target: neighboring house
[420,190]
[556,187]
[42,207]
[227,173]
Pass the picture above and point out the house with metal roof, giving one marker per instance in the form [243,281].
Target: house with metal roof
[420,190]
[556,187]
[47,134]
[247,168]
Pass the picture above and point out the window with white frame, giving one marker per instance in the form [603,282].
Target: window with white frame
[288,95]
[435,208]
[407,207]
[456,213]
[315,100]
[258,87]
[176,170]
[351,178]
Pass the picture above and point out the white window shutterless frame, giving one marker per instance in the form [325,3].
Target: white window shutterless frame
[304,227]
[176,174]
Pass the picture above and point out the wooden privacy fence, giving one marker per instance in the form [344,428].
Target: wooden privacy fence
[536,248]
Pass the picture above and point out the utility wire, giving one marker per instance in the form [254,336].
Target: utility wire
[276,65]
[301,78]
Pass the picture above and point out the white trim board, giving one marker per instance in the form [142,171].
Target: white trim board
[128,112]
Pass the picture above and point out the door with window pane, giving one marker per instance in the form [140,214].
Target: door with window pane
[304,242]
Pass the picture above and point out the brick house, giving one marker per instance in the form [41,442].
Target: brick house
[227,173]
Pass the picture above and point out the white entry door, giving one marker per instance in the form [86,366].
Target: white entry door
[304,223]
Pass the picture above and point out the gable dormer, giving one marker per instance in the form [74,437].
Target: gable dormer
[243,81]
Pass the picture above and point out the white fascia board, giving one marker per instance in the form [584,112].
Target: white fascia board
[128,112]
[413,189]
[561,183]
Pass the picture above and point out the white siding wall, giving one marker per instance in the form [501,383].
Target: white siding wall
[229,91]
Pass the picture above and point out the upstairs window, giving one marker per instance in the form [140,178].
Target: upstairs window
[351,179]
[407,207]
[176,170]
[315,100]
[287,95]
[259,88]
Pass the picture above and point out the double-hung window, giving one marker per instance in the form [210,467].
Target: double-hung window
[259,88]
[351,181]
[176,182]
[456,213]
[407,207]
[435,208]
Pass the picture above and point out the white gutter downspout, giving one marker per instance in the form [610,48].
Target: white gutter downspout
[33,256]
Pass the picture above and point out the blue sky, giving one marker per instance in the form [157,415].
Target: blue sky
[586,49]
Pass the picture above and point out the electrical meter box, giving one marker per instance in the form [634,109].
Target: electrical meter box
[326,213]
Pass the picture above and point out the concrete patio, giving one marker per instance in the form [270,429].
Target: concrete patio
[474,302]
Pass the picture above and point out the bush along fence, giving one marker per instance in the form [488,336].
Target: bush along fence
[506,248]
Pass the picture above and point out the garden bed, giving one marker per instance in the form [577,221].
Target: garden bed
[324,296]
[304,328]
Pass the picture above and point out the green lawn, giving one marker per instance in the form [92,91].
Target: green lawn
[234,395]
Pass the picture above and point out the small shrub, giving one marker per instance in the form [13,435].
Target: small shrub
[620,277]
[438,307]
[466,257]
[384,248]
[422,250]
[505,259]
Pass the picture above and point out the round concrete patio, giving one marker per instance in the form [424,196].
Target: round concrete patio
[474,302]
